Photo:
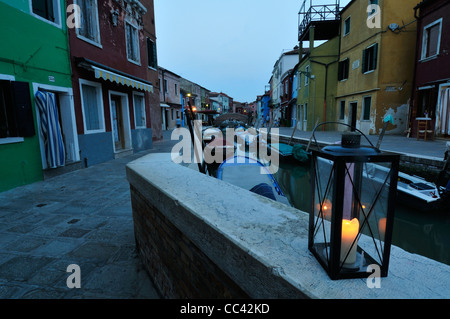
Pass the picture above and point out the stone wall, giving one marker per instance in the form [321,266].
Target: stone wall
[178,267]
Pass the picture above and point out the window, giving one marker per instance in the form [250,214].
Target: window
[176,89]
[16,115]
[343,69]
[370,58]
[139,110]
[366,108]
[307,75]
[342,110]
[151,52]
[89,28]
[47,10]
[305,115]
[132,40]
[92,106]
[431,41]
[347,24]
[165,86]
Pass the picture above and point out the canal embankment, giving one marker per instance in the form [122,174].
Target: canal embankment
[417,157]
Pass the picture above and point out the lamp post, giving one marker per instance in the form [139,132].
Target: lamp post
[351,217]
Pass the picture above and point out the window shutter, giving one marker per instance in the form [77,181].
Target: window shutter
[340,72]
[22,108]
[50,11]
[364,64]
[155,59]
[39,8]
[375,55]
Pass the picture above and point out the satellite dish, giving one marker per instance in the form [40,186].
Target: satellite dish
[393,26]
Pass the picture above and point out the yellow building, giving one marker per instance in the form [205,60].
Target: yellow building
[376,64]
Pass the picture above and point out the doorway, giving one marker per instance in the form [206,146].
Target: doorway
[66,117]
[120,121]
[116,111]
[353,111]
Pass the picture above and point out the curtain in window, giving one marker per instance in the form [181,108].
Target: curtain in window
[132,43]
[91,107]
[139,110]
[444,112]
[50,129]
[87,19]
[432,40]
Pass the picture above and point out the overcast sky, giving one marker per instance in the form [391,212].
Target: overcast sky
[226,46]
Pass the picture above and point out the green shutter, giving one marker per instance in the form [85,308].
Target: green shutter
[364,64]
[23,111]
[375,55]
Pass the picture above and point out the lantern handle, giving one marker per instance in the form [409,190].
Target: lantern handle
[331,122]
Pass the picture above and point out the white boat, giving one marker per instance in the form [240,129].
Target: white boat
[412,191]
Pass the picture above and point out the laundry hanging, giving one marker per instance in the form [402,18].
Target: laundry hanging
[50,129]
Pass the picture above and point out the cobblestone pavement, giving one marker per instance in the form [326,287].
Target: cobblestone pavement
[82,217]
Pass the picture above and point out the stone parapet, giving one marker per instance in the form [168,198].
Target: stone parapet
[200,237]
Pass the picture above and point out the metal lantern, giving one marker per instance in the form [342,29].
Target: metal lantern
[351,219]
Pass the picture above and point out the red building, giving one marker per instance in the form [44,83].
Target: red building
[109,59]
[431,92]
[287,101]
[152,69]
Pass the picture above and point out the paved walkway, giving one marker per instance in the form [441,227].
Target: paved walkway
[431,149]
[82,217]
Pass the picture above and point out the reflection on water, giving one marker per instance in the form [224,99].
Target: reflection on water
[426,234]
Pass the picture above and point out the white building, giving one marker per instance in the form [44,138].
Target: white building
[282,66]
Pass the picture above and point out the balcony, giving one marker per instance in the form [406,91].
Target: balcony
[325,18]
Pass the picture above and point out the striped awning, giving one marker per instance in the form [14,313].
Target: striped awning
[120,79]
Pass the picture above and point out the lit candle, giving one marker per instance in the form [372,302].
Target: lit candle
[326,209]
[350,229]
[382,227]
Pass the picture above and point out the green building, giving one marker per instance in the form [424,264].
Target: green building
[317,85]
[34,57]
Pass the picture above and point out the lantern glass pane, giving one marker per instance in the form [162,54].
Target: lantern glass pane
[324,185]
[374,208]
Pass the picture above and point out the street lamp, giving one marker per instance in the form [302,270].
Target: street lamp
[351,217]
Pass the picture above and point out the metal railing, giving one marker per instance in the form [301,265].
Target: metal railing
[306,15]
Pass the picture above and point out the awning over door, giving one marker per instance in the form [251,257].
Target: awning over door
[109,74]
[120,79]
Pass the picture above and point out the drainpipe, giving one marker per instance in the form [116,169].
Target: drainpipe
[326,65]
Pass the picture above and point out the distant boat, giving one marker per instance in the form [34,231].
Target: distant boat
[246,173]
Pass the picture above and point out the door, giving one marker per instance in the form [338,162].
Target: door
[352,115]
[118,128]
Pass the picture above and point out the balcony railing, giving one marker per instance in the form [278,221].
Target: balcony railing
[311,13]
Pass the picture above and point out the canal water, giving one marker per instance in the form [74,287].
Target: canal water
[426,234]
